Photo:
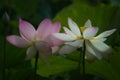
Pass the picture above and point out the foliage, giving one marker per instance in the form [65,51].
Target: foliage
[103,15]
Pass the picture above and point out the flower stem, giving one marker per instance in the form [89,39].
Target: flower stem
[36,63]
[6,20]
[4,59]
[79,62]
[83,61]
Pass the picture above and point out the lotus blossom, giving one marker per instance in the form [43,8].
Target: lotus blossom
[95,46]
[41,40]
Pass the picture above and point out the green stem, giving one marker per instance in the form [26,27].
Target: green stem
[4,59]
[83,61]
[36,63]
[6,21]
[79,62]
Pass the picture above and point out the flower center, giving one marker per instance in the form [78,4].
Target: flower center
[83,28]
[35,41]
[79,37]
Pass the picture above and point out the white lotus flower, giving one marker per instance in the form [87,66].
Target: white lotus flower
[74,38]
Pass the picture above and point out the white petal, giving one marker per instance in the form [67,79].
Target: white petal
[64,37]
[69,32]
[91,50]
[88,23]
[102,39]
[106,33]
[90,32]
[31,52]
[77,43]
[89,56]
[74,27]
[99,45]
[67,49]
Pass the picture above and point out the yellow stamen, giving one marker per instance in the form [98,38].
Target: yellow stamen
[83,28]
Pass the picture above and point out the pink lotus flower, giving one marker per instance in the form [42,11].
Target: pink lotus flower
[41,40]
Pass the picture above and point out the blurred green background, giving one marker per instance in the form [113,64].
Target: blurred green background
[103,13]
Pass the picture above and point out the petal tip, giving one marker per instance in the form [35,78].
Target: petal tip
[21,20]
[114,30]
[8,38]
[69,19]
[89,20]
[46,20]
[88,23]
[58,24]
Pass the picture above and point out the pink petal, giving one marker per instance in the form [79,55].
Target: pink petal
[53,41]
[56,27]
[44,48]
[90,32]
[46,28]
[17,41]
[27,30]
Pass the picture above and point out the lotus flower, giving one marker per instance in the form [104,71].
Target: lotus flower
[41,40]
[74,38]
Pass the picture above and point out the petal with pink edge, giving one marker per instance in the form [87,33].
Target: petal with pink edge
[17,41]
[27,30]
[67,31]
[90,32]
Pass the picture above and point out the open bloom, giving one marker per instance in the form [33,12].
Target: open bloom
[41,40]
[74,38]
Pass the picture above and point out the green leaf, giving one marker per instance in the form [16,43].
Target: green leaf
[102,69]
[100,15]
[57,65]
